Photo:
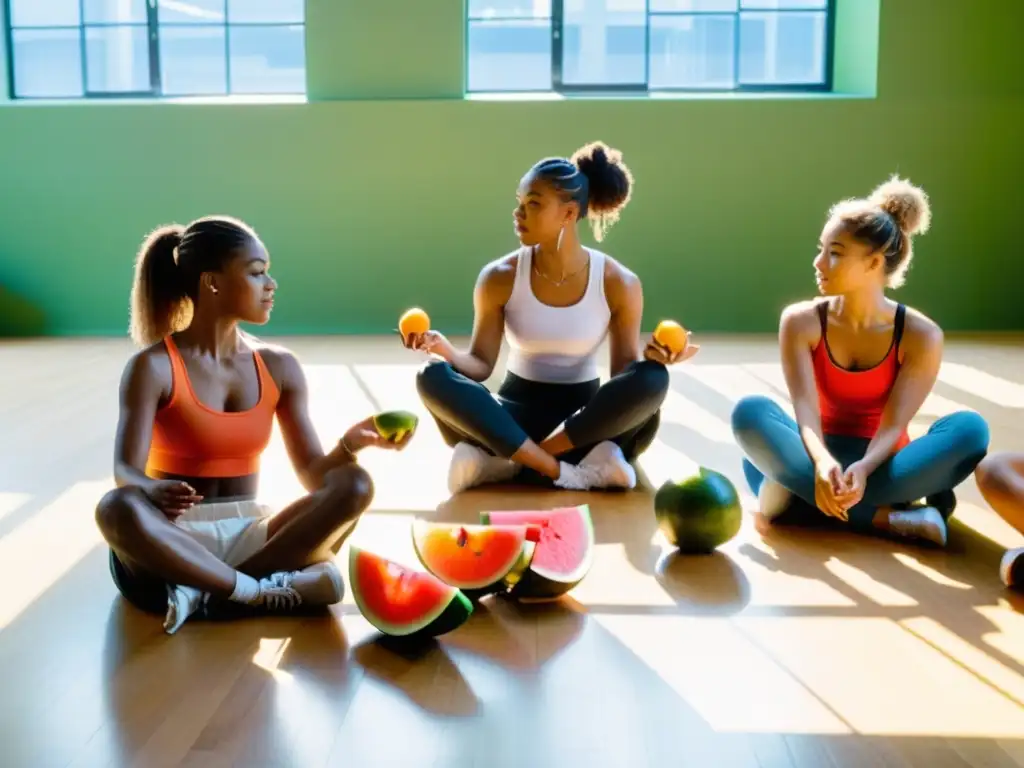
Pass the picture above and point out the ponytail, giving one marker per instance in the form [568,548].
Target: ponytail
[160,301]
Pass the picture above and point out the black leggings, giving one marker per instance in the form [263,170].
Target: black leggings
[625,409]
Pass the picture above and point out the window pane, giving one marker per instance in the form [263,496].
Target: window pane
[268,59]
[798,4]
[695,5]
[602,46]
[693,51]
[509,9]
[193,61]
[509,56]
[266,11]
[44,13]
[47,63]
[782,48]
[115,11]
[191,12]
[117,59]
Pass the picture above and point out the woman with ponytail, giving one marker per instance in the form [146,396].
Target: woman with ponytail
[555,301]
[197,409]
[859,366]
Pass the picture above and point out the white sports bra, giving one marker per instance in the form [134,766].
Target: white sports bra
[556,344]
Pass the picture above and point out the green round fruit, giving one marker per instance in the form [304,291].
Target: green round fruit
[395,425]
[700,513]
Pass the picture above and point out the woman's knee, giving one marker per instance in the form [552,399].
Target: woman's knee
[350,488]
[995,473]
[651,380]
[971,433]
[748,415]
[118,514]
[433,379]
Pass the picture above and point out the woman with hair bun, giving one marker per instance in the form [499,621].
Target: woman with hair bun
[555,301]
[859,366]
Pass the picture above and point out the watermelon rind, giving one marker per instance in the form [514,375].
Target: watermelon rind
[447,615]
[545,584]
[502,577]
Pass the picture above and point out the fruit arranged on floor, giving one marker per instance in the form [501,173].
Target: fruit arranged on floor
[478,559]
[402,602]
[563,555]
[699,513]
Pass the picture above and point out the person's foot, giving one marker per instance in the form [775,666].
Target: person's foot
[772,500]
[919,523]
[472,466]
[318,584]
[604,467]
[1011,568]
[182,602]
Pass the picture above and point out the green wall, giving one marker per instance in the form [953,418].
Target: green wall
[389,189]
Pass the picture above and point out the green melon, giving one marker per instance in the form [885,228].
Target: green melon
[395,425]
[699,513]
[402,602]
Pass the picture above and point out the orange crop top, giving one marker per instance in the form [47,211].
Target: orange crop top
[192,440]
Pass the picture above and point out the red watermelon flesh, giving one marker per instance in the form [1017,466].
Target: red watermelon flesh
[400,601]
[563,555]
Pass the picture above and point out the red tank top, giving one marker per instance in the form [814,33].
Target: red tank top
[193,440]
[851,402]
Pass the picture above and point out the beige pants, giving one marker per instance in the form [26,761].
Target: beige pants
[232,530]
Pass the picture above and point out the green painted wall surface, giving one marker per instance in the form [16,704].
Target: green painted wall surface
[370,205]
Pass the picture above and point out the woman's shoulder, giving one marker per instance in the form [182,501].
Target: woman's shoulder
[149,369]
[920,329]
[802,319]
[496,278]
[282,363]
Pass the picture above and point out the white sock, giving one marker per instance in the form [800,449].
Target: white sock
[572,477]
[247,589]
[182,602]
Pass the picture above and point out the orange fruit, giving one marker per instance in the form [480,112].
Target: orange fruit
[413,321]
[671,335]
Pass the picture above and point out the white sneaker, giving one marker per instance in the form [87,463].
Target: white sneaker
[604,467]
[772,500]
[472,466]
[319,584]
[920,523]
[1011,558]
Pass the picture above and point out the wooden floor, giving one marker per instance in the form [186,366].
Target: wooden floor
[796,649]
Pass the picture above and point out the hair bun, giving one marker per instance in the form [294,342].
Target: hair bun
[906,203]
[594,158]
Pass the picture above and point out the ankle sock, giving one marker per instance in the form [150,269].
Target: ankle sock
[247,589]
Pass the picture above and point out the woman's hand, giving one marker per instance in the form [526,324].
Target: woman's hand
[659,353]
[830,494]
[365,435]
[855,480]
[431,342]
[172,497]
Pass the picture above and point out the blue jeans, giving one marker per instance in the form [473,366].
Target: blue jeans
[928,468]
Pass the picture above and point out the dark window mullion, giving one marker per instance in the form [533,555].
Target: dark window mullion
[227,48]
[153,22]
[81,48]
[557,43]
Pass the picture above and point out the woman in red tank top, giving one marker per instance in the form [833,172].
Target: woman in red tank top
[197,409]
[859,367]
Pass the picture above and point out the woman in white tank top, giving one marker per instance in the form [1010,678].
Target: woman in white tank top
[555,302]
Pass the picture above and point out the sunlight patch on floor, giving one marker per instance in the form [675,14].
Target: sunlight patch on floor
[719,672]
[995,389]
[881,679]
[873,589]
[36,554]
[10,502]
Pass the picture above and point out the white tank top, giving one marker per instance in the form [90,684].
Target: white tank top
[556,344]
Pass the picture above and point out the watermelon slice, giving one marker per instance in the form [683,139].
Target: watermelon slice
[402,602]
[563,555]
[478,559]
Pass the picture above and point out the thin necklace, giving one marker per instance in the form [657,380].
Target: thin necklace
[564,277]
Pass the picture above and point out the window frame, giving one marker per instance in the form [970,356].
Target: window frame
[559,87]
[153,25]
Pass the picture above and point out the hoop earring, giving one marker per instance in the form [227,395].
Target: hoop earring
[561,234]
